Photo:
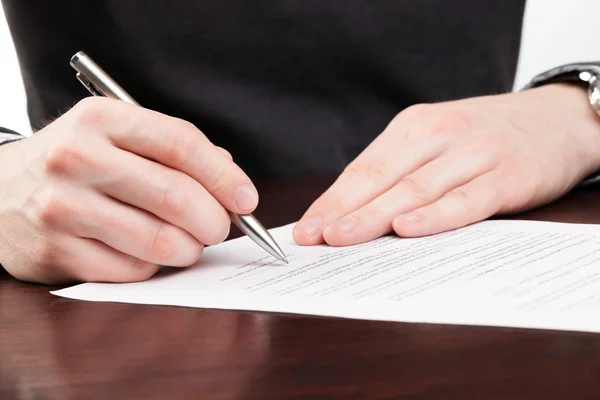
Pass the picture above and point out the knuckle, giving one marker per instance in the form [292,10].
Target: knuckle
[352,169]
[416,188]
[220,181]
[162,247]
[452,123]
[64,159]
[181,146]
[143,270]
[416,111]
[464,199]
[91,111]
[50,256]
[45,261]
[166,250]
[52,210]
[374,170]
[339,205]
[463,203]
[376,211]
[226,153]
[176,152]
[186,127]
[174,200]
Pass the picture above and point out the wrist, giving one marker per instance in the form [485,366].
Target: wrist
[585,125]
[7,145]
[579,110]
[570,111]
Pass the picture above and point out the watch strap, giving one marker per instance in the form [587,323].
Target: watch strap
[570,73]
[564,73]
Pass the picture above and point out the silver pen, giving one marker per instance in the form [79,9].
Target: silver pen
[99,83]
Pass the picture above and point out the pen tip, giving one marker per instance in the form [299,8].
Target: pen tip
[285,260]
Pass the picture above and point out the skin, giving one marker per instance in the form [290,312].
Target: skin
[109,191]
[443,166]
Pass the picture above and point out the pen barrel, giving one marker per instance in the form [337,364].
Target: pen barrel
[98,78]
[99,83]
[258,233]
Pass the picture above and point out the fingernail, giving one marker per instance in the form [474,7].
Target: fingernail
[246,197]
[310,226]
[412,218]
[346,224]
[227,234]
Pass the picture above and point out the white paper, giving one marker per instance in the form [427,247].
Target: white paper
[495,273]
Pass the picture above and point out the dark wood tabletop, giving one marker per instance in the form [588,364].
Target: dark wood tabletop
[54,348]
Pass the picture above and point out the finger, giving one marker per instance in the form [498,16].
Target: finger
[372,173]
[422,187]
[127,229]
[473,202]
[89,260]
[225,152]
[170,195]
[172,142]
[167,193]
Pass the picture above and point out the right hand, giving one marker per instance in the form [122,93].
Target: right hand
[110,191]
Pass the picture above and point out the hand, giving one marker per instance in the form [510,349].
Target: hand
[109,191]
[443,166]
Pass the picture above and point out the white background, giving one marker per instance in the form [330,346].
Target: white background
[555,32]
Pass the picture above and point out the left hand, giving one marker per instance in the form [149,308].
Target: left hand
[442,166]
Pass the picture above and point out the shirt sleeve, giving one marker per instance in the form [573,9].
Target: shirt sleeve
[7,136]
[593,179]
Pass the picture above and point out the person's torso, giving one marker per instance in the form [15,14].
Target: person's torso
[290,87]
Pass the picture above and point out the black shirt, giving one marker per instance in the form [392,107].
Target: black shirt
[289,87]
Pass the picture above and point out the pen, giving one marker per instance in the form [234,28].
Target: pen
[99,83]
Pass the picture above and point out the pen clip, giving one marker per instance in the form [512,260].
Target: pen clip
[88,84]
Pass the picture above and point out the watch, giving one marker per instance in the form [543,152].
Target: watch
[586,73]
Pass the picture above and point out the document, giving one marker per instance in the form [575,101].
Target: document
[496,273]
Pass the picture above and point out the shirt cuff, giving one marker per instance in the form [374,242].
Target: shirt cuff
[7,136]
[593,179]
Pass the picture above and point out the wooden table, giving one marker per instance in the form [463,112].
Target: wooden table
[53,348]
